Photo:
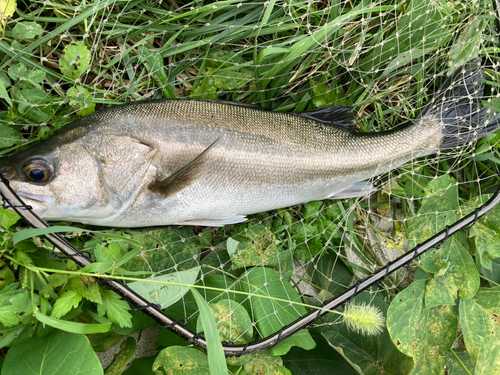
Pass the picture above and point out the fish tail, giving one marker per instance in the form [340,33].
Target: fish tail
[456,105]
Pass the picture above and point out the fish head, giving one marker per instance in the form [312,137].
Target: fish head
[88,179]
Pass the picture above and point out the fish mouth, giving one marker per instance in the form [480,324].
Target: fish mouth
[39,203]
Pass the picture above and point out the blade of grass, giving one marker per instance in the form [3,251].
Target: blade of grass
[216,358]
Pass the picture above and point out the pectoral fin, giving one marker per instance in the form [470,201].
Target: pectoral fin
[182,178]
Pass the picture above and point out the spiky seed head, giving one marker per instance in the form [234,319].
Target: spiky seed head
[365,319]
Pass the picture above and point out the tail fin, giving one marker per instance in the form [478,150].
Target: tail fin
[456,106]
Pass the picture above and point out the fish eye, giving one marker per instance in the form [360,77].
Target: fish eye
[38,170]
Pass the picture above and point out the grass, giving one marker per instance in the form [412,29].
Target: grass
[385,59]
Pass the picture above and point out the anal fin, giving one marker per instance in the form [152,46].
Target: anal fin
[359,189]
[215,222]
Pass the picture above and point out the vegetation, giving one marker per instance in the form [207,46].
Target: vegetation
[63,59]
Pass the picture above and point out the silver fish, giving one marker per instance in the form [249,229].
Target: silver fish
[212,163]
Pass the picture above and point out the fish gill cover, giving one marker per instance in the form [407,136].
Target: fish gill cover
[61,60]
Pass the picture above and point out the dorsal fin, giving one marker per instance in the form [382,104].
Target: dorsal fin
[182,178]
[337,116]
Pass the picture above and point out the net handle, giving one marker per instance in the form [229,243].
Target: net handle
[12,200]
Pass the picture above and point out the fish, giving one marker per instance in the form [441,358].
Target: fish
[212,163]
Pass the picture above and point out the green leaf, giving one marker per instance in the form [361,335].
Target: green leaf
[488,360]
[436,211]
[66,301]
[75,60]
[176,360]
[403,316]
[307,236]
[272,315]
[330,273]
[438,291]
[26,30]
[140,321]
[486,232]
[22,301]
[10,335]
[325,95]
[464,270]
[467,46]
[434,335]
[7,9]
[71,327]
[36,76]
[369,355]
[165,250]
[216,358]
[256,247]
[120,361]
[260,363]
[494,273]
[8,137]
[3,90]
[6,277]
[455,367]
[205,89]
[7,218]
[81,100]
[233,322]
[109,253]
[115,308]
[17,71]
[9,316]
[60,353]
[164,294]
[153,61]
[479,321]
[33,232]
[87,287]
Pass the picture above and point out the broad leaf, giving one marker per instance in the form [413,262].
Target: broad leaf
[233,322]
[434,335]
[60,353]
[481,330]
[463,270]
[271,314]
[164,294]
[75,60]
[440,291]
[260,363]
[27,30]
[177,360]
[403,316]
[434,214]
[165,250]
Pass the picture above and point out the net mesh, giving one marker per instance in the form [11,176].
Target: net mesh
[63,60]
